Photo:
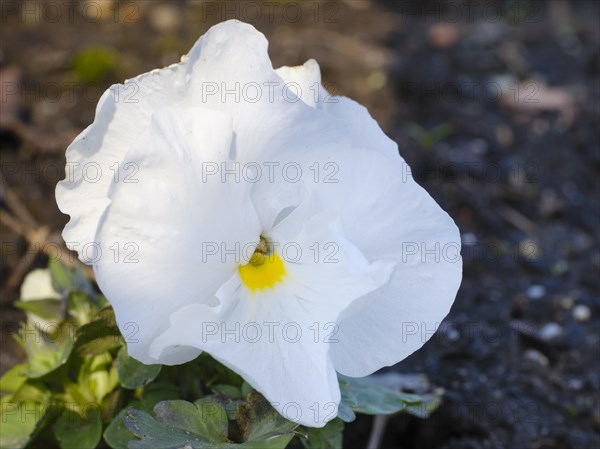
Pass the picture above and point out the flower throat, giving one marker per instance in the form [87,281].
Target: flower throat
[265,268]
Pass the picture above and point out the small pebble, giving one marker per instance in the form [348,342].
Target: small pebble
[469,239]
[443,34]
[575,384]
[581,312]
[567,302]
[529,249]
[536,356]
[536,291]
[560,268]
[450,333]
[165,17]
[504,135]
[540,126]
[550,331]
[480,146]
[550,203]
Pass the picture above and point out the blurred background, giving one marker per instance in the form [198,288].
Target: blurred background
[495,106]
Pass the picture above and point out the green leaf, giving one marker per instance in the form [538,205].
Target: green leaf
[213,373]
[66,279]
[134,374]
[13,378]
[422,403]
[204,425]
[48,309]
[429,403]
[364,396]
[153,434]
[261,425]
[157,392]
[328,437]
[45,353]
[80,307]
[19,422]
[246,389]
[206,418]
[97,377]
[22,414]
[116,435]
[32,390]
[345,412]
[74,431]
[229,391]
[100,335]
[214,424]
[230,405]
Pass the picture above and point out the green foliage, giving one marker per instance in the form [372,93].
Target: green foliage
[23,413]
[205,424]
[45,351]
[430,401]
[96,64]
[50,309]
[80,389]
[116,435]
[261,424]
[13,378]
[75,431]
[134,374]
[364,396]
[428,138]
[153,434]
[328,437]
[66,279]
[100,335]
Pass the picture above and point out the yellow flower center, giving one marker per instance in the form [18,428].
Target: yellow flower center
[264,269]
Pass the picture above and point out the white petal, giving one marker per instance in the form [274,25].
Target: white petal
[38,285]
[123,112]
[364,131]
[388,216]
[326,271]
[361,128]
[306,79]
[230,56]
[285,364]
[172,226]
[229,52]
[229,70]
[397,320]
[304,145]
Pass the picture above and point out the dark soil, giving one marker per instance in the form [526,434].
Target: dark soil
[497,114]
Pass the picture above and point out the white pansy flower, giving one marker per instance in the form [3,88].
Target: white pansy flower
[232,208]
